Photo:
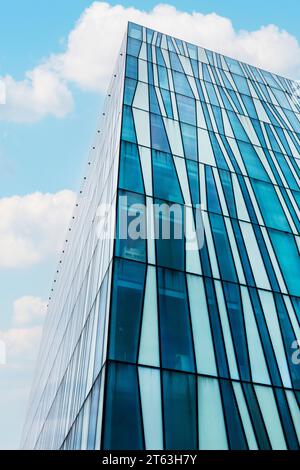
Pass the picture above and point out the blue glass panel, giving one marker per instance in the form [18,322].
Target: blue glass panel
[175,62]
[176,342]
[256,417]
[180,412]
[236,319]
[265,339]
[213,201]
[216,328]
[134,47]
[126,310]
[130,168]
[286,419]
[219,156]
[190,143]
[128,129]
[219,120]
[131,226]
[163,78]
[290,178]
[212,94]
[186,109]
[166,96]
[123,422]
[158,134]
[129,90]
[181,84]
[154,106]
[169,230]
[252,162]
[287,254]
[135,31]
[269,205]
[266,258]
[159,57]
[132,67]
[226,182]
[236,435]
[289,338]
[166,184]
[243,253]
[224,254]
[193,176]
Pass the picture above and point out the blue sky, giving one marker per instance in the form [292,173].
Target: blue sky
[47,154]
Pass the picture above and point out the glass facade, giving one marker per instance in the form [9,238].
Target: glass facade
[149,344]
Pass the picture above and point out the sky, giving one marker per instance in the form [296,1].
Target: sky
[55,62]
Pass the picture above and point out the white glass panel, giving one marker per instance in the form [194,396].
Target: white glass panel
[256,261]
[174,136]
[204,349]
[151,407]
[149,345]
[212,431]
[142,127]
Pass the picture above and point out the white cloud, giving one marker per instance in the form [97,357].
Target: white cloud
[93,44]
[29,310]
[42,92]
[32,226]
[21,346]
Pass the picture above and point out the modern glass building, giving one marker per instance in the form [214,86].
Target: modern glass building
[156,342]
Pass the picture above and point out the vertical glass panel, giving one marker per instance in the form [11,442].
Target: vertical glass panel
[126,310]
[226,181]
[270,206]
[131,67]
[212,430]
[186,109]
[166,184]
[158,134]
[286,419]
[169,232]
[203,342]
[129,90]
[237,324]
[288,256]
[224,254]
[131,226]
[179,401]
[175,325]
[133,46]
[256,416]
[128,129]
[216,328]
[130,168]
[252,162]
[135,31]
[181,84]
[236,434]
[150,388]
[122,421]
[213,202]
[190,144]
[193,176]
